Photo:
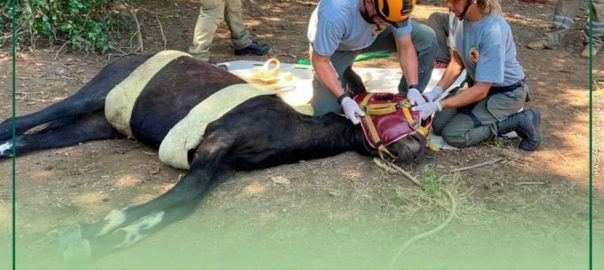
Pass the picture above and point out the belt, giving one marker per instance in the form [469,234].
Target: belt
[503,89]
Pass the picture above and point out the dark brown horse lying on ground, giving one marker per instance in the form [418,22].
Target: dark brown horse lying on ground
[258,133]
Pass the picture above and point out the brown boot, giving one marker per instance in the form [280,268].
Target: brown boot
[594,51]
[537,45]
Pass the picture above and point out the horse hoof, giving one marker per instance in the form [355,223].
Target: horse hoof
[6,149]
[70,236]
[78,252]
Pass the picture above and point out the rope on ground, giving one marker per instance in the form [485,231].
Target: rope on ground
[391,167]
[477,165]
[420,236]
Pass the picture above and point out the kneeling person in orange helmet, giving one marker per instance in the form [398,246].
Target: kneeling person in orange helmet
[339,30]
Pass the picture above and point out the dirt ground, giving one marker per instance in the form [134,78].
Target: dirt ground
[342,212]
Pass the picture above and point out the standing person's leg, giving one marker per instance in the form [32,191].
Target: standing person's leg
[424,41]
[439,22]
[597,29]
[240,36]
[211,15]
[323,100]
[566,11]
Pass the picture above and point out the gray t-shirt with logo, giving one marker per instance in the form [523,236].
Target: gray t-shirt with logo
[487,49]
[338,25]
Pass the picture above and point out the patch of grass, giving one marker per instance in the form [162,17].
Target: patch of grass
[501,143]
[431,182]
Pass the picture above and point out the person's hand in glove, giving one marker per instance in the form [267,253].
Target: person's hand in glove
[434,94]
[351,109]
[415,97]
[428,108]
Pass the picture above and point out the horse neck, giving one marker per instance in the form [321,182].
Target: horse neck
[334,133]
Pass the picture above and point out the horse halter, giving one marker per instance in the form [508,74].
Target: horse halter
[387,119]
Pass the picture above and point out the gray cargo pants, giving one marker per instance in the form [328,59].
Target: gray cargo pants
[425,44]
[439,22]
[566,11]
[211,14]
[462,129]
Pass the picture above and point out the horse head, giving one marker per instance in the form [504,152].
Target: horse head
[392,130]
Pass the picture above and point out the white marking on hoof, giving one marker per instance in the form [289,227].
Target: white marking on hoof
[133,232]
[5,147]
[114,219]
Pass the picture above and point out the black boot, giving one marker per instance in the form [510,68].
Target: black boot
[527,124]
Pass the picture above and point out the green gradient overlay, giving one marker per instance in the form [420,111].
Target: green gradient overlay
[515,230]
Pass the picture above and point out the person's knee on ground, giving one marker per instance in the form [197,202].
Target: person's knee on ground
[455,138]
[441,119]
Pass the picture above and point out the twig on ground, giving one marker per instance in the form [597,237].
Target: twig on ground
[477,165]
[560,154]
[529,183]
[391,167]
[138,29]
[60,49]
[161,30]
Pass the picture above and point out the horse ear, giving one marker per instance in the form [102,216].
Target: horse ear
[354,84]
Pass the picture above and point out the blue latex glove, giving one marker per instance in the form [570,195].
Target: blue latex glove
[415,97]
[427,109]
[351,109]
[434,94]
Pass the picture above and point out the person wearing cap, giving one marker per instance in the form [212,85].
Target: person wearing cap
[483,45]
[339,30]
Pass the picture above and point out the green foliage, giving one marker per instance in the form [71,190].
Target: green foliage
[85,25]
[431,184]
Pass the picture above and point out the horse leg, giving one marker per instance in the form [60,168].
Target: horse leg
[88,99]
[204,171]
[354,82]
[68,132]
[81,249]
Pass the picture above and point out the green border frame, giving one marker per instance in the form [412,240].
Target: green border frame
[14,110]
[591,152]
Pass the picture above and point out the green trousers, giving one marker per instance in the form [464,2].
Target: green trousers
[462,129]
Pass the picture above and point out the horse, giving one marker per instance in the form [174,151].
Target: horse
[260,131]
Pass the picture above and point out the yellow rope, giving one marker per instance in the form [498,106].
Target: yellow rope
[270,75]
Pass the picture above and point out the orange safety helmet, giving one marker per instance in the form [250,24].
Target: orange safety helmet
[394,11]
